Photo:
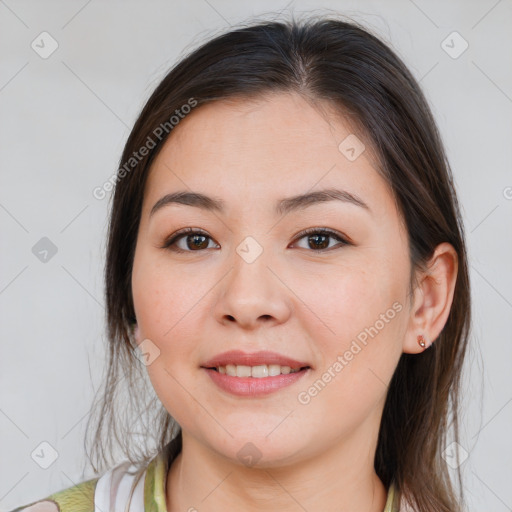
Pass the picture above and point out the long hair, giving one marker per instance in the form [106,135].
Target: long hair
[343,64]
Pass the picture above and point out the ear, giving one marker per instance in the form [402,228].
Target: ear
[432,299]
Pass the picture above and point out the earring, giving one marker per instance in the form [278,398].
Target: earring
[421,341]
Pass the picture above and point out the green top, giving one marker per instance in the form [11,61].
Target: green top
[123,488]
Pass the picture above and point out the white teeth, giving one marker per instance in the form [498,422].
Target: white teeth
[260,371]
[274,369]
[243,371]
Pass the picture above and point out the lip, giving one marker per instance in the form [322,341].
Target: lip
[238,357]
[252,386]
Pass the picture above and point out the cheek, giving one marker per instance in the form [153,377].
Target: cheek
[351,300]
[359,360]
[177,392]
[163,297]
[363,308]
[169,301]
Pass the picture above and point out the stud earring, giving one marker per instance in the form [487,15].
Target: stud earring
[421,341]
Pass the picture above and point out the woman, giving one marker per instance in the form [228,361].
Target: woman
[286,261]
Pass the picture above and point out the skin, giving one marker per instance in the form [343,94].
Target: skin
[293,299]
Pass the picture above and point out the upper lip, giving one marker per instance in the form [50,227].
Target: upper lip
[238,357]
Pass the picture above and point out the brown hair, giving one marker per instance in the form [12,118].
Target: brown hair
[343,64]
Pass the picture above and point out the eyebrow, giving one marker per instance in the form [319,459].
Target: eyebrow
[283,206]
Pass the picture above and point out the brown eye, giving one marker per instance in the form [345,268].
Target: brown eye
[194,241]
[318,239]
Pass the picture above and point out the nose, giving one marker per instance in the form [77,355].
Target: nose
[252,294]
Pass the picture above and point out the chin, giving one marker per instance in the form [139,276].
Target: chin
[260,450]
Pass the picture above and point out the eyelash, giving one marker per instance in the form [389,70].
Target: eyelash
[310,231]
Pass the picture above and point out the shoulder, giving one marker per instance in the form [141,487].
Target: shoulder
[78,498]
[123,487]
[126,486]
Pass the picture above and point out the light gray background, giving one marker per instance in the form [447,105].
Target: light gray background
[64,122]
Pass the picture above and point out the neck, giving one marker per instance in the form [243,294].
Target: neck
[340,479]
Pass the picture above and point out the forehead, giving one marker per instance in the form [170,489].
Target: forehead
[252,153]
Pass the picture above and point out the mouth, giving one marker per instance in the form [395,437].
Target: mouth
[255,381]
[257,372]
[254,374]
[236,363]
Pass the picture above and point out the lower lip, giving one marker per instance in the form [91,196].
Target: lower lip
[253,386]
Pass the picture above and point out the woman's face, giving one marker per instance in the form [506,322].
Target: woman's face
[250,281]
